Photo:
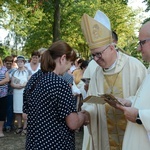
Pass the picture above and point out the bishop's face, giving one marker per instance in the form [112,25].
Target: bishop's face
[103,55]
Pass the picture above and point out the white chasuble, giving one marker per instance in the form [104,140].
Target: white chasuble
[131,73]
[137,137]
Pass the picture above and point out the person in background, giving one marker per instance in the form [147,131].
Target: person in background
[137,108]
[14,65]
[8,125]
[19,80]
[4,79]
[119,74]
[49,104]
[76,64]
[34,64]
[78,75]
[75,90]
[42,50]
[68,78]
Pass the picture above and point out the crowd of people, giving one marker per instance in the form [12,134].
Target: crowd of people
[43,94]
[15,73]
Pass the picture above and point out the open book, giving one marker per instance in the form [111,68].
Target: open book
[16,80]
[102,99]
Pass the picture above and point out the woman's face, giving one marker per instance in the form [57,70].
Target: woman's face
[35,59]
[65,64]
[20,63]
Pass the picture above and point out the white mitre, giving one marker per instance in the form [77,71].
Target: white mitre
[97,30]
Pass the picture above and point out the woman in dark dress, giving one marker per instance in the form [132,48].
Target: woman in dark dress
[4,79]
[49,103]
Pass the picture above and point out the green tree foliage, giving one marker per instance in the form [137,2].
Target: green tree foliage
[116,1]
[122,20]
[4,51]
[19,20]
[37,23]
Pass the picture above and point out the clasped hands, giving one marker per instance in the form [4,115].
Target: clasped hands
[20,86]
[86,116]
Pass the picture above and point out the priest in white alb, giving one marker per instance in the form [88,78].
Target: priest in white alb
[137,134]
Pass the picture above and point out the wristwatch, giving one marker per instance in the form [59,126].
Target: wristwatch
[138,120]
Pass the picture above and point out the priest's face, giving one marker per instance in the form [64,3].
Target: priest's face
[104,56]
[144,42]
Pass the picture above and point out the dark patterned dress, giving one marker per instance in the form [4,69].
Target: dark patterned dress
[3,94]
[47,101]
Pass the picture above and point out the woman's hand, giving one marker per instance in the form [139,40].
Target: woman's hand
[19,86]
[76,120]
[87,117]
[24,116]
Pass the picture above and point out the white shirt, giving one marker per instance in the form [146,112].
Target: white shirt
[28,66]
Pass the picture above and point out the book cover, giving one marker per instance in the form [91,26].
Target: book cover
[102,99]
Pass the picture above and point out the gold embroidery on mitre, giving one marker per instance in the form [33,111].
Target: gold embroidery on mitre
[96,34]
[97,31]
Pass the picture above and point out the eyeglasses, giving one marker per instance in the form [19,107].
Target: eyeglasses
[141,43]
[99,54]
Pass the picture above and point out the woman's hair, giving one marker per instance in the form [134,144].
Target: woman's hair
[84,64]
[35,53]
[9,59]
[1,62]
[13,55]
[57,49]
[80,61]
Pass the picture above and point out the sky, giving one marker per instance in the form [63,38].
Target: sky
[3,34]
[138,4]
[135,4]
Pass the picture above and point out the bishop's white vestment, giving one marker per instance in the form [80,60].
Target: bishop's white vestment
[106,129]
